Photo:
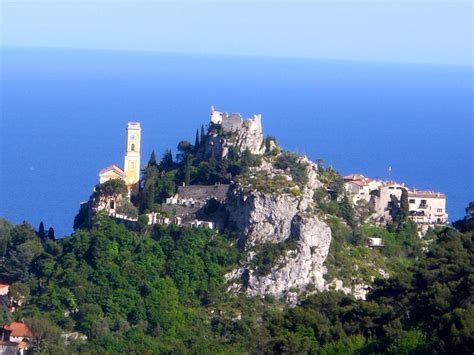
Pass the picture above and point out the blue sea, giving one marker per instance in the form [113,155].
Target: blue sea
[64,113]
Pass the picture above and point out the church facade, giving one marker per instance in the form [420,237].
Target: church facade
[131,171]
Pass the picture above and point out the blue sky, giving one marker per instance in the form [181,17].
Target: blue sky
[437,32]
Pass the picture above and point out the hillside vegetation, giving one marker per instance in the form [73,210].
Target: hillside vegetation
[165,292]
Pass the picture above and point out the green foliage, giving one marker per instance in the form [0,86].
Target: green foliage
[127,208]
[260,181]
[268,255]
[404,207]
[82,217]
[22,249]
[332,181]
[298,170]
[129,292]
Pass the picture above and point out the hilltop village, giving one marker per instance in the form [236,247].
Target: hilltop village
[236,244]
[226,134]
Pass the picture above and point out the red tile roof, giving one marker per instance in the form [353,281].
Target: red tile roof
[19,329]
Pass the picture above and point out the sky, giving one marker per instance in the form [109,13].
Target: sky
[434,32]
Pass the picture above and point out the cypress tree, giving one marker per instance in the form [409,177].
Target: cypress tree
[41,231]
[150,196]
[203,135]
[152,160]
[187,171]
[196,141]
[51,233]
[404,211]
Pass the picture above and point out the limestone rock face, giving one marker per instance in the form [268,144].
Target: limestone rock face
[279,218]
[238,133]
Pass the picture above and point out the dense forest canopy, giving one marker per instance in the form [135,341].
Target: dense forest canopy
[131,292]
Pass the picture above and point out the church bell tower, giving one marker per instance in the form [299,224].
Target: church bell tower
[132,156]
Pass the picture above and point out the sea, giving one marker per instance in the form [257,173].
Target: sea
[64,113]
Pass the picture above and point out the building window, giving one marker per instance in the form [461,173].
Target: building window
[439,210]
[411,200]
[112,205]
[133,147]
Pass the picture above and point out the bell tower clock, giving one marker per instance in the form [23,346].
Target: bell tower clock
[132,156]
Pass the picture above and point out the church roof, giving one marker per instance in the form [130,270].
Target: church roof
[112,167]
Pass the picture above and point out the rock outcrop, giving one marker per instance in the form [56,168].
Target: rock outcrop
[279,218]
[232,130]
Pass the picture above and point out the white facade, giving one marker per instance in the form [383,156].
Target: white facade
[359,187]
[374,242]
[427,207]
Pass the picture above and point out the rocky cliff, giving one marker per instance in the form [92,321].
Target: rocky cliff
[232,131]
[286,243]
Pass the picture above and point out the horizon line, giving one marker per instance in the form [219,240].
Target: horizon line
[230,55]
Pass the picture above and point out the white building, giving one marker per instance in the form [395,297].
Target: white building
[360,187]
[374,242]
[427,207]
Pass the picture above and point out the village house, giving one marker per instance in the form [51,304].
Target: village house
[14,338]
[426,207]
[360,187]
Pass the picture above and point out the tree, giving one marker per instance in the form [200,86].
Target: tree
[152,161]
[203,136]
[404,210]
[184,148]
[196,141]
[166,163]
[51,233]
[41,232]
[19,292]
[126,208]
[46,336]
[187,170]
[111,188]
[143,221]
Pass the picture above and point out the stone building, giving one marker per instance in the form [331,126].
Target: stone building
[198,205]
[236,132]
[426,207]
